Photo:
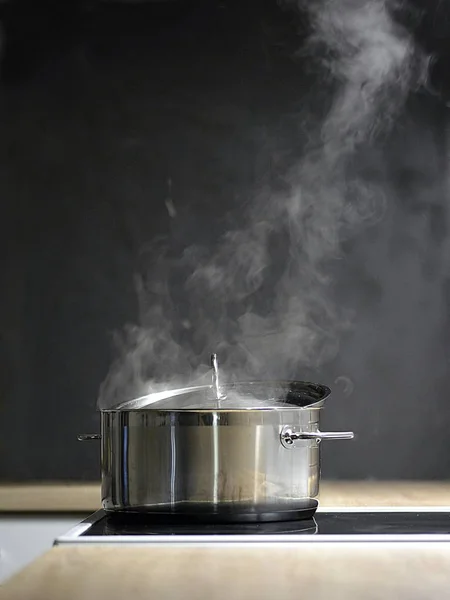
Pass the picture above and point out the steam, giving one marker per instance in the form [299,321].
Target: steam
[259,295]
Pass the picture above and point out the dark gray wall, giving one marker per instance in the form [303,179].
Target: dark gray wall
[97,111]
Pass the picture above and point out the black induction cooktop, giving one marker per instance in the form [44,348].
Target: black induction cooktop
[336,525]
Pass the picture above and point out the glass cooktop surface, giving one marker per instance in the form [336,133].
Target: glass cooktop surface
[333,525]
[322,524]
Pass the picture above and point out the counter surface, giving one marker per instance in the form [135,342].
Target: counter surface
[319,571]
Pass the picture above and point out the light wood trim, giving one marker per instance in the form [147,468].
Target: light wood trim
[50,497]
[320,571]
[71,497]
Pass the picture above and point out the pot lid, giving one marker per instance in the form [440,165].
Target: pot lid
[253,395]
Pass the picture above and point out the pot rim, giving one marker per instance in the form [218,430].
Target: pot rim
[144,403]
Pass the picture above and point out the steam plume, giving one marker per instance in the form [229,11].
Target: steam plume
[260,295]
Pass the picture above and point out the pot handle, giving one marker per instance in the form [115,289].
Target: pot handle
[288,436]
[85,437]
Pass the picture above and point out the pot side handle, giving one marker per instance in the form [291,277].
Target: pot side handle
[288,436]
[86,437]
[326,435]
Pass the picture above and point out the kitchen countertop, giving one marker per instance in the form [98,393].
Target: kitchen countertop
[61,497]
[320,571]
[328,570]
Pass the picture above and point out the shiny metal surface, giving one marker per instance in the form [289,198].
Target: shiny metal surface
[215,376]
[288,436]
[223,461]
[240,396]
[228,462]
[256,540]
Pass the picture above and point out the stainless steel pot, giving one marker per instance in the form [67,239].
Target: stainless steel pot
[185,452]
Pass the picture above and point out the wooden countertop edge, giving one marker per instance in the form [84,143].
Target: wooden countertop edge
[50,497]
[60,497]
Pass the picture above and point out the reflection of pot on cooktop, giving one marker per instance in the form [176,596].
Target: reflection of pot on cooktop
[340,524]
[113,526]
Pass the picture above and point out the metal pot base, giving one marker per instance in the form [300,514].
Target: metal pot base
[191,512]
